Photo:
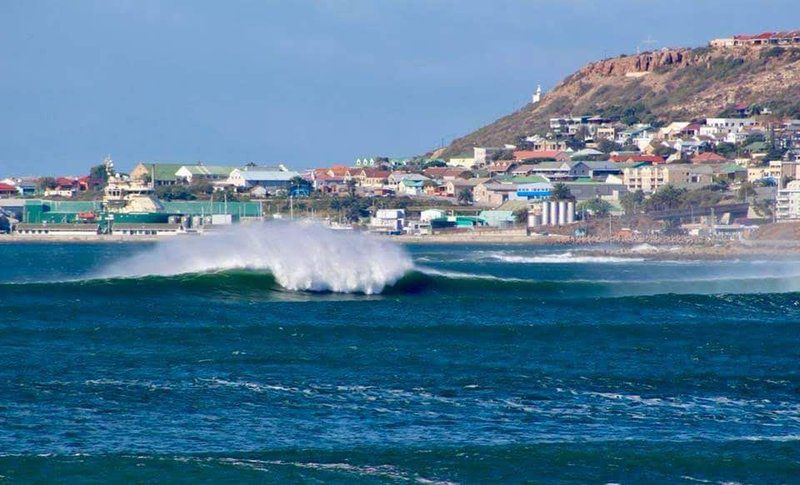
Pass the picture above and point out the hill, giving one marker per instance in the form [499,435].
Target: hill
[665,85]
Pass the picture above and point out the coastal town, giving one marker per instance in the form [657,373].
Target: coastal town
[612,174]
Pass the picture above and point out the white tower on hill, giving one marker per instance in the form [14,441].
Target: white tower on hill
[537,96]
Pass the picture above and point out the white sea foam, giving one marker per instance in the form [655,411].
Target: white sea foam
[459,275]
[301,256]
[560,258]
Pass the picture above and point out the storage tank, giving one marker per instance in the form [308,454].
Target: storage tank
[562,212]
[534,219]
[553,213]
[545,213]
[570,212]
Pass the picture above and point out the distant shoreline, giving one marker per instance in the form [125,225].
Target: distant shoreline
[651,248]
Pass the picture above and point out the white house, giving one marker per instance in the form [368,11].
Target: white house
[788,202]
[270,178]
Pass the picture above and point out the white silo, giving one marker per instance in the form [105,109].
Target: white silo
[553,213]
[534,219]
[570,212]
[545,213]
[562,212]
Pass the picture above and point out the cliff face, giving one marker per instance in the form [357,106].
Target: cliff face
[664,85]
[647,62]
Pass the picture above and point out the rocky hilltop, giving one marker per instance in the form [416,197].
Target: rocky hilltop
[664,85]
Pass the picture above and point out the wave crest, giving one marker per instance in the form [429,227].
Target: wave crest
[300,256]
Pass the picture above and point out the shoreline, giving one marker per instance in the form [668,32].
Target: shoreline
[653,248]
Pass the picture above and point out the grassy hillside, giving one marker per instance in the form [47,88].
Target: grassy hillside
[666,85]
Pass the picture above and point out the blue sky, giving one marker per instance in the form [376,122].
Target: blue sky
[306,82]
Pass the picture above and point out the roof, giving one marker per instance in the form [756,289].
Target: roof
[271,175]
[468,182]
[500,187]
[59,227]
[201,170]
[376,173]
[536,154]
[731,168]
[757,146]
[7,187]
[708,157]
[145,226]
[637,158]
[530,179]
[602,165]
[586,152]
[163,171]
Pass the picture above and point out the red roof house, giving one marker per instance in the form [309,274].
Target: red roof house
[556,155]
[8,190]
[709,157]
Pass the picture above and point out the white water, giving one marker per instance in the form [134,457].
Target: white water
[301,256]
[561,258]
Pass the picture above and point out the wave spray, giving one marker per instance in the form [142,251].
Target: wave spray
[301,257]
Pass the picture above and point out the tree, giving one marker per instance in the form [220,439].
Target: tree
[465,197]
[561,192]
[632,202]
[597,207]
[351,188]
[607,146]
[98,173]
[46,183]
[666,198]
[664,151]
[299,185]
[504,154]
[434,163]
[746,189]
[726,149]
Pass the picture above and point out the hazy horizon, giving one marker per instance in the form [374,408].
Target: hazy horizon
[306,83]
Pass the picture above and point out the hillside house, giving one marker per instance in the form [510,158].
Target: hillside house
[156,173]
[494,194]
[452,188]
[650,178]
[271,178]
[541,155]
[189,174]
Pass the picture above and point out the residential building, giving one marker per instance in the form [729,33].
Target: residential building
[190,174]
[555,170]
[371,177]
[156,173]
[787,206]
[388,221]
[452,188]
[446,173]
[271,178]
[709,157]
[8,190]
[466,162]
[651,178]
[493,193]
[534,155]
[482,155]
[587,189]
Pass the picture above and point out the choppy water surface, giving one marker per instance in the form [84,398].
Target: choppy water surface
[442,363]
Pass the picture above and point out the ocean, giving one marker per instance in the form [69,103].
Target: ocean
[286,353]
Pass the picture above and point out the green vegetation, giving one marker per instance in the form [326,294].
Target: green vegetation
[596,207]
[465,197]
[561,192]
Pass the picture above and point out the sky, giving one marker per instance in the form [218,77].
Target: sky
[305,82]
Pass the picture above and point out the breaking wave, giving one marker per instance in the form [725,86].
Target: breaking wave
[300,257]
[561,258]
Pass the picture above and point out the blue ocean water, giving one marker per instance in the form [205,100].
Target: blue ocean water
[483,363]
